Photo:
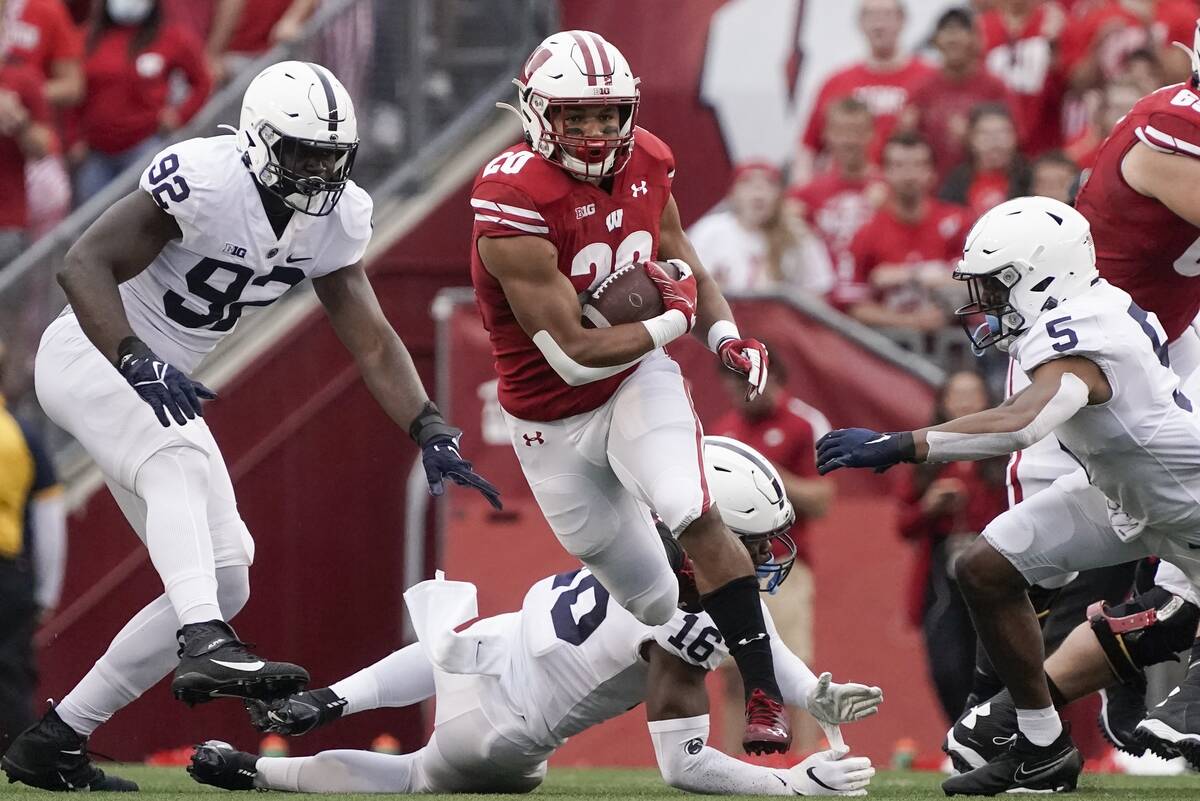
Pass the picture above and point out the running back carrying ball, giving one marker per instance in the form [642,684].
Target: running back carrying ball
[628,295]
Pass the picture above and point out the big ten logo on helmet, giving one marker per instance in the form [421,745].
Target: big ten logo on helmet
[598,260]
[492,427]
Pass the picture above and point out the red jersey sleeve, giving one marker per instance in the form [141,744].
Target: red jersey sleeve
[1175,131]
[503,210]
[659,150]
[65,39]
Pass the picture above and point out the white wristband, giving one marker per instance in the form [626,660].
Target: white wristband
[720,330]
[666,327]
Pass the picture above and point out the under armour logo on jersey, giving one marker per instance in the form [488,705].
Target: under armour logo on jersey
[536,439]
[613,220]
[637,190]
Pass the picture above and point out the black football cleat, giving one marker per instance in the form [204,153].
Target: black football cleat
[297,714]
[985,732]
[1173,727]
[1023,768]
[221,765]
[49,755]
[768,730]
[214,663]
[1121,709]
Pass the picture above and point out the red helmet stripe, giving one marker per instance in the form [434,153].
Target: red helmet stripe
[539,57]
[589,62]
[606,67]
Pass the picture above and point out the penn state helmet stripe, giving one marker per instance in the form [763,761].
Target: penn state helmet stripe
[767,470]
[330,97]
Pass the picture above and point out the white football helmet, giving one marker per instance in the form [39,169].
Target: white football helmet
[298,134]
[1022,258]
[576,68]
[749,493]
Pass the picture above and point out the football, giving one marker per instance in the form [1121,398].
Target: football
[626,296]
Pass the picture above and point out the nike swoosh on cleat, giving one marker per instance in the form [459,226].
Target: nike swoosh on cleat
[249,667]
[1022,775]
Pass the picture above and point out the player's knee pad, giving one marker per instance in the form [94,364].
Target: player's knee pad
[1151,627]
[678,503]
[170,472]
[233,589]
[655,606]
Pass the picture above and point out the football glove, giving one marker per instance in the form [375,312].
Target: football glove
[677,293]
[167,390]
[748,357]
[862,447]
[832,704]
[441,459]
[828,773]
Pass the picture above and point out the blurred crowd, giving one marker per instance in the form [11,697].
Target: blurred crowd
[88,87]
[902,151]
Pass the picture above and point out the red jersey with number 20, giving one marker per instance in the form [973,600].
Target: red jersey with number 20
[1142,246]
[596,229]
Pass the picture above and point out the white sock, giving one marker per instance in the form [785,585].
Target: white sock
[173,483]
[342,772]
[140,655]
[1040,726]
[401,678]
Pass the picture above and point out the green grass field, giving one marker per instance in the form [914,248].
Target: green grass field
[172,784]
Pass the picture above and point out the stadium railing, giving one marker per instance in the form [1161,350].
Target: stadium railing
[420,72]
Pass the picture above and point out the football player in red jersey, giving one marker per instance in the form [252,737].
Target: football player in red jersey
[601,419]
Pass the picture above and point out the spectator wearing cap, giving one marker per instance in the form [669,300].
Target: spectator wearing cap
[32,556]
[25,136]
[1115,100]
[1020,44]
[132,56]
[758,242]
[939,105]
[1054,175]
[904,255]
[837,202]
[943,507]
[994,169]
[882,81]
[242,30]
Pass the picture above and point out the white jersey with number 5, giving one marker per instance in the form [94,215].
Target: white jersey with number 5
[577,657]
[229,261]
[1142,447]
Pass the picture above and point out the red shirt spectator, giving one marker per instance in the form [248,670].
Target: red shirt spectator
[128,86]
[1094,49]
[994,170]
[903,255]
[785,430]
[884,93]
[41,34]
[1019,42]
[940,104]
[256,28]
[882,83]
[26,85]
[838,201]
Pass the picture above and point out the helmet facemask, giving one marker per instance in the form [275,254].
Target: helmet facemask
[587,157]
[283,174]
[990,296]
[780,549]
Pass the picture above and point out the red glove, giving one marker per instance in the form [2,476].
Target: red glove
[748,357]
[677,293]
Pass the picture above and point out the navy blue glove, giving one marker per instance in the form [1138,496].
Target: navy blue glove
[162,386]
[862,447]
[441,459]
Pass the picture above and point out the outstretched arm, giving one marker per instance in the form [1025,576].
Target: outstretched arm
[1059,389]
[677,714]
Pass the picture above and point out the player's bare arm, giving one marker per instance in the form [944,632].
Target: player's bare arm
[115,248]
[388,370]
[1059,389]
[1168,178]
[543,300]
[386,367]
